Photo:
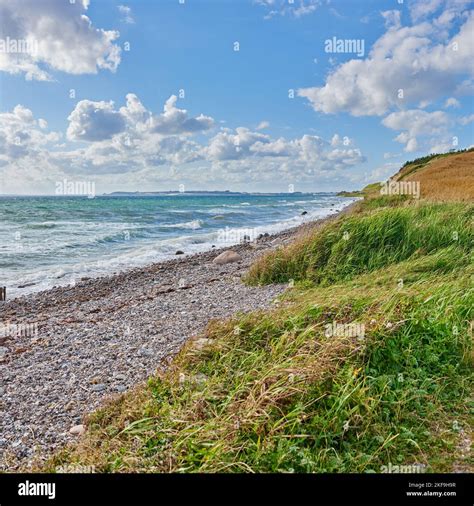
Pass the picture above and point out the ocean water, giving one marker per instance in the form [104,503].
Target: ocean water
[53,241]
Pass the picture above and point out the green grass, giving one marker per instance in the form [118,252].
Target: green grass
[275,392]
[368,241]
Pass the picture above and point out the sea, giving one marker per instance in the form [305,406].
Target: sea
[48,241]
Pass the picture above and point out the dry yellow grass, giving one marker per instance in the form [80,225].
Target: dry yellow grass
[444,179]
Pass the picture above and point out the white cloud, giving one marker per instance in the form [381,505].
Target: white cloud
[55,35]
[297,8]
[24,150]
[21,135]
[176,121]
[126,14]
[94,121]
[417,123]
[227,145]
[465,120]
[310,152]
[383,172]
[98,121]
[119,145]
[392,18]
[263,125]
[420,9]
[413,59]
[451,102]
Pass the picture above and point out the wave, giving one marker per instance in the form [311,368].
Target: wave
[191,225]
[139,244]
[46,224]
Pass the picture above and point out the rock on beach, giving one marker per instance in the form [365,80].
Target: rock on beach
[227,257]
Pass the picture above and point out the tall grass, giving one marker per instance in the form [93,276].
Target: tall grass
[273,392]
[363,243]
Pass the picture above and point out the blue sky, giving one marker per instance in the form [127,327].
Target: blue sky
[344,127]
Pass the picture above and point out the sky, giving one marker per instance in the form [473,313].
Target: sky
[241,95]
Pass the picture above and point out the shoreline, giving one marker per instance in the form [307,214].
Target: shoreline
[143,254]
[97,339]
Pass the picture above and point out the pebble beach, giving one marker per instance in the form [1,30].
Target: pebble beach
[95,340]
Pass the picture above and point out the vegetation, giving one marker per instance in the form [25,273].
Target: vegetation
[355,193]
[425,159]
[365,242]
[281,391]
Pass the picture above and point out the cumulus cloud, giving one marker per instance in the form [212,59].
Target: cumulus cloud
[54,35]
[310,152]
[21,135]
[25,146]
[98,121]
[416,59]
[126,13]
[118,143]
[94,121]
[227,145]
[176,121]
[417,123]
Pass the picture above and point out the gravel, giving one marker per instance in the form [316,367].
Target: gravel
[95,340]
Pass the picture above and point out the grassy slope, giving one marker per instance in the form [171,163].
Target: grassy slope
[271,391]
[446,177]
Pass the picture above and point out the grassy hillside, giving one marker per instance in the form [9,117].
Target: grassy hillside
[446,177]
[367,360]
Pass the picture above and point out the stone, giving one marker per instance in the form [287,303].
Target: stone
[227,257]
[304,212]
[98,388]
[179,252]
[77,430]
[69,406]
